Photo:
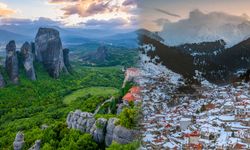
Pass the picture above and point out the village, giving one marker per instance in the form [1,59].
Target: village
[214,117]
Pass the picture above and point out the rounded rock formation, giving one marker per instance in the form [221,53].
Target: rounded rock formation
[48,49]
[11,62]
[27,58]
[2,82]
[66,59]
[19,141]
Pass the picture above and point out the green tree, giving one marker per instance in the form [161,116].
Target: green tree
[129,117]
[203,108]
[86,142]
[47,147]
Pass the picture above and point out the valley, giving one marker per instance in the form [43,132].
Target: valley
[35,104]
[32,104]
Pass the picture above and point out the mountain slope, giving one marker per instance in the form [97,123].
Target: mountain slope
[203,47]
[236,57]
[170,57]
[215,62]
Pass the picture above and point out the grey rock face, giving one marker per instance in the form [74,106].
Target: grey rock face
[119,109]
[33,49]
[110,130]
[123,135]
[66,59]
[36,146]
[11,62]
[102,130]
[2,82]
[98,130]
[27,58]
[44,126]
[80,120]
[19,141]
[48,48]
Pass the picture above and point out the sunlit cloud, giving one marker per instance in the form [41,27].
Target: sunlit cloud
[5,11]
[75,12]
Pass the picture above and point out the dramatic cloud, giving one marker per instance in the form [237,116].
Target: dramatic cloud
[96,9]
[84,10]
[161,21]
[5,11]
[201,27]
[130,2]
[62,1]
[167,13]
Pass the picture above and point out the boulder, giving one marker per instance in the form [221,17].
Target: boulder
[98,130]
[19,141]
[27,59]
[36,146]
[66,59]
[11,62]
[123,135]
[48,49]
[2,82]
[44,126]
[110,130]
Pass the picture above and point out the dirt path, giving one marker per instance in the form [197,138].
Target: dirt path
[106,101]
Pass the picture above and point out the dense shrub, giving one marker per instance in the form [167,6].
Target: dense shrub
[129,117]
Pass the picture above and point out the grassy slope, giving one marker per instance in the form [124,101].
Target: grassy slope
[31,104]
[95,91]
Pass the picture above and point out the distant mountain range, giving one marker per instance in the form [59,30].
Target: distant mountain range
[216,62]
[70,36]
[7,36]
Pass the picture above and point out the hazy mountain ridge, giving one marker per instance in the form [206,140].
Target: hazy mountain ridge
[70,36]
[200,27]
[205,48]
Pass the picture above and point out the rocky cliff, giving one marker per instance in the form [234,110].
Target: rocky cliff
[36,146]
[66,59]
[2,82]
[99,56]
[27,60]
[19,141]
[48,50]
[102,130]
[11,62]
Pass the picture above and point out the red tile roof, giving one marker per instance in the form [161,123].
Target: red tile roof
[128,97]
[239,146]
[195,146]
[133,69]
[195,133]
[168,125]
[135,90]
[210,106]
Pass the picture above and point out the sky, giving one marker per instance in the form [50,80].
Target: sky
[71,13]
[154,13]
